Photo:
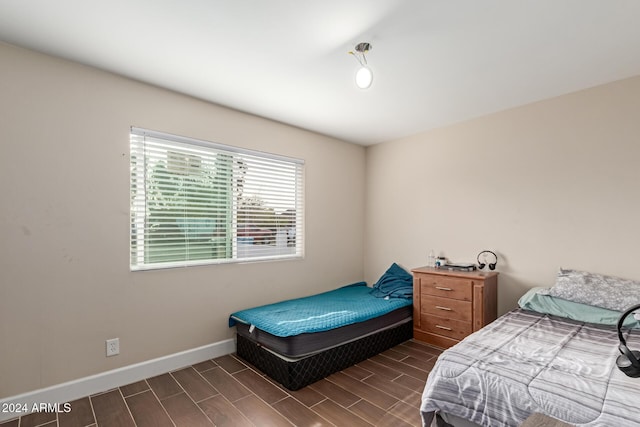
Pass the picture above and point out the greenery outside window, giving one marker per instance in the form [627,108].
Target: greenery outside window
[197,202]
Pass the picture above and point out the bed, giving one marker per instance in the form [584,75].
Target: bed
[299,341]
[553,355]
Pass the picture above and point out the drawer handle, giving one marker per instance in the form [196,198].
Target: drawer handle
[444,327]
[441,288]
[439,307]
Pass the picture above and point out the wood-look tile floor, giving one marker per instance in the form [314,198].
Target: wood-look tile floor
[384,390]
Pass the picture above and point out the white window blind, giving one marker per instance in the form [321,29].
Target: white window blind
[196,202]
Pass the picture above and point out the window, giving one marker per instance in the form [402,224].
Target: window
[195,202]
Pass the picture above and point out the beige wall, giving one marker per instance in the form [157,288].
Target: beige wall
[64,264]
[551,184]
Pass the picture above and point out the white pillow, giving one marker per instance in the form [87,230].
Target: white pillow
[594,289]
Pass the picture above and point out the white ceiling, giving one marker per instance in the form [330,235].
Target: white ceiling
[435,62]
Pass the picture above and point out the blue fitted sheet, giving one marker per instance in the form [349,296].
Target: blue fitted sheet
[322,312]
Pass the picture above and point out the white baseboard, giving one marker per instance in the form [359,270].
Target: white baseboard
[13,406]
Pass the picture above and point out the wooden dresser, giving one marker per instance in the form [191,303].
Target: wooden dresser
[449,305]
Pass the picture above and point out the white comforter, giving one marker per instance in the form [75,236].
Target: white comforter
[527,362]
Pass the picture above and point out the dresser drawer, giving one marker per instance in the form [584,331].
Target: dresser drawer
[446,307]
[456,329]
[447,287]
[449,305]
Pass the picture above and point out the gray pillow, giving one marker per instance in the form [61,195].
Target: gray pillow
[608,292]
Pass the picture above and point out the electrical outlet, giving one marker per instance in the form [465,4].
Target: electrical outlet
[113,347]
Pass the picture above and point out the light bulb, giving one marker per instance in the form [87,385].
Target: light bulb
[364,77]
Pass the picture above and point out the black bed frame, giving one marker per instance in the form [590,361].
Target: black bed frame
[299,373]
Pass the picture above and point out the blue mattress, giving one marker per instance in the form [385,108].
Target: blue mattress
[322,312]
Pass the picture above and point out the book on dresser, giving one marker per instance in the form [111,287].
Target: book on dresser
[448,305]
[459,267]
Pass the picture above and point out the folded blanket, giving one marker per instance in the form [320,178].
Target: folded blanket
[396,282]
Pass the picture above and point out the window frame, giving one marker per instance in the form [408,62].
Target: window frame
[140,248]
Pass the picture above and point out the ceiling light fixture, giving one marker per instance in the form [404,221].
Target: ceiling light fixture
[364,75]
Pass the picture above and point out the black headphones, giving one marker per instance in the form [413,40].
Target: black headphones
[492,265]
[628,362]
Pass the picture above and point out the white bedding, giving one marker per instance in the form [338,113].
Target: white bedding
[526,362]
